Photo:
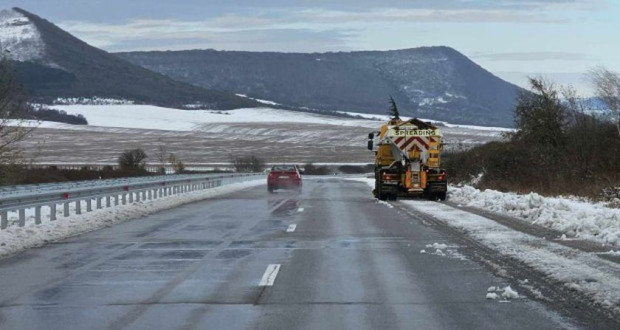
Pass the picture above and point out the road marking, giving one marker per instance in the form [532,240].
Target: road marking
[270,275]
[301,209]
[291,228]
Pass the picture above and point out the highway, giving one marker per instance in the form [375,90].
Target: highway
[328,258]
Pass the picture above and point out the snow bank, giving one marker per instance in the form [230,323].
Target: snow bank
[574,218]
[579,270]
[15,239]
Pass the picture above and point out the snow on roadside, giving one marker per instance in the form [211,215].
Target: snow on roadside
[592,221]
[579,270]
[15,239]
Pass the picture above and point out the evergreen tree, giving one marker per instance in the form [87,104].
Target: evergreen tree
[393,109]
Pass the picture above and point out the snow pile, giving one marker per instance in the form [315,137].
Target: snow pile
[596,277]
[571,217]
[492,295]
[506,293]
[442,250]
[15,239]
[19,37]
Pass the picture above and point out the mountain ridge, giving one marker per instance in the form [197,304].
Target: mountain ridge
[431,82]
[69,67]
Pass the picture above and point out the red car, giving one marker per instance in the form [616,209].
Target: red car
[284,176]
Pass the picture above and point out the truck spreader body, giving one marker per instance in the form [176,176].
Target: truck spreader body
[408,160]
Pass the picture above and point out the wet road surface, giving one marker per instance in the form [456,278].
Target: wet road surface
[328,258]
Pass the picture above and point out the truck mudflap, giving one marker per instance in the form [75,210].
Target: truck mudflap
[437,187]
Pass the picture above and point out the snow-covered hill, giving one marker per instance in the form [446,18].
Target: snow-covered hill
[20,38]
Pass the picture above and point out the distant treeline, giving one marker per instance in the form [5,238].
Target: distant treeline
[59,116]
[555,150]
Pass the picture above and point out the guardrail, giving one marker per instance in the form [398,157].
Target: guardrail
[108,195]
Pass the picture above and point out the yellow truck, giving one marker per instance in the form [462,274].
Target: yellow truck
[408,160]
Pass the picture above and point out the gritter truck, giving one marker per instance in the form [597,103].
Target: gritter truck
[408,160]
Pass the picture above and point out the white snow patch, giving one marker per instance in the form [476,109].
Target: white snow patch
[437,246]
[492,295]
[19,37]
[15,239]
[384,203]
[574,218]
[154,117]
[258,100]
[509,293]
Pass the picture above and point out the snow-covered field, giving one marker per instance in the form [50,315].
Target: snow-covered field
[210,136]
[578,270]
[153,117]
[15,239]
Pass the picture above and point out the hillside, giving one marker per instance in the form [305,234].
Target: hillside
[432,82]
[51,63]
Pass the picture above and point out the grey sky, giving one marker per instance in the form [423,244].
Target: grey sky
[512,38]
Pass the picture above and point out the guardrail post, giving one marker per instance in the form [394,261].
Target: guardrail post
[78,207]
[22,217]
[124,198]
[37,214]
[89,205]
[131,197]
[98,199]
[108,202]
[116,200]
[4,219]
[137,196]
[65,212]
[52,212]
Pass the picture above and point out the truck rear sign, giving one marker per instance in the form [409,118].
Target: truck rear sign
[405,131]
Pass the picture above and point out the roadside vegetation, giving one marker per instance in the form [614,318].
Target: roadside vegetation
[556,149]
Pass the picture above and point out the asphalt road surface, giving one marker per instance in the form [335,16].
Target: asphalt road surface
[328,258]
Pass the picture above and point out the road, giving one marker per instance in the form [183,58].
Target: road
[339,260]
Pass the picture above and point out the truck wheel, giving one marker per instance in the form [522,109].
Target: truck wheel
[270,189]
[393,197]
[383,197]
[441,196]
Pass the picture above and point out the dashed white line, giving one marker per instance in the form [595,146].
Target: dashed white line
[270,275]
[301,209]
[291,228]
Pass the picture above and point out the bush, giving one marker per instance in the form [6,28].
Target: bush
[581,157]
[248,164]
[311,169]
[132,159]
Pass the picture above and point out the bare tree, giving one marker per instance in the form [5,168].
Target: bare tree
[177,164]
[574,106]
[162,156]
[132,159]
[13,111]
[606,85]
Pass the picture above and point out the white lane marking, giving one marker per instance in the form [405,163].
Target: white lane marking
[270,275]
[301,209]
[291,228]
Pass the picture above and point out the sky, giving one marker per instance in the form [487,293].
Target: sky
[556,39]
